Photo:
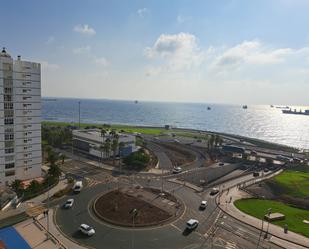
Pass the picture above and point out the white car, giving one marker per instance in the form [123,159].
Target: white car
[85,229]
[177,170]
[192,224]
[69,203]
[203,204]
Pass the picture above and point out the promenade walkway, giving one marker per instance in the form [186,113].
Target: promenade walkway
[226,203]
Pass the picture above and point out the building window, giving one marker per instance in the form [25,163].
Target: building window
[8,106]
[8,90]
[9,165]
[8,144]
[8,121]
[10,173]
[9,150]
[7,97]
[8,137]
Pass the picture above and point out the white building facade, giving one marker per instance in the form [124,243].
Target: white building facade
[20,119]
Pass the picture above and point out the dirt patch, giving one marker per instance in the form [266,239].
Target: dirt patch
[177,153]
[117,207]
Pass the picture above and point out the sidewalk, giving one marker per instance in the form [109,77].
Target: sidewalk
[35,235]
[226,204]
[56,234]
[38,200]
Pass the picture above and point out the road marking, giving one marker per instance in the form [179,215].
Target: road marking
[176,227]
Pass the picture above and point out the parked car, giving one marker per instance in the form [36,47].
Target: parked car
[203,205]
[192,224]
[214,191]
[85,229]
[68,203]
[177,170]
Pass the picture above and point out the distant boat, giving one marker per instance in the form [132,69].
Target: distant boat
[300,112]
[208,108]
[136,102]
[244,107]
[282,107]
[271,106]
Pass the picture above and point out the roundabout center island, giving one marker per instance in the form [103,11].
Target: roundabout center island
[137,207]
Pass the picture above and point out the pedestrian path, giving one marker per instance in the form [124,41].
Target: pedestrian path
[226,203]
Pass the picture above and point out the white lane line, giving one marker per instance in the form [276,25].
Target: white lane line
[176,227]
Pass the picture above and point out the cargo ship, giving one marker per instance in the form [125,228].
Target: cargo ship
[300,112]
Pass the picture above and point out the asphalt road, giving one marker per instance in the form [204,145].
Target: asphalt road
[215,228]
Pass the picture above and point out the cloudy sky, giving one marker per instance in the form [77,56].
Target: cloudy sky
[228,51]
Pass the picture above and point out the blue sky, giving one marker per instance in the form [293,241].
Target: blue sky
[254,52]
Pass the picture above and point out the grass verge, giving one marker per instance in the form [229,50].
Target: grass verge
[293,216]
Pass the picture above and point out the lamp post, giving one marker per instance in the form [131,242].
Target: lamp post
[268,213]
[134,213]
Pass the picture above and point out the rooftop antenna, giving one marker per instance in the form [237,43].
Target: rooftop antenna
[3,50]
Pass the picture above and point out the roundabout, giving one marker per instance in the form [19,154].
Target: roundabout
[166,232]
[137,207]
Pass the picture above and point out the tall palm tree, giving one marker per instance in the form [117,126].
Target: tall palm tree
[103,133]
[107,146]
[114,147]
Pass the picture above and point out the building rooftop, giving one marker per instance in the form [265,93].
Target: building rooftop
[94,135]
[4,53]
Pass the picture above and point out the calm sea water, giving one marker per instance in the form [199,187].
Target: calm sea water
[261,122]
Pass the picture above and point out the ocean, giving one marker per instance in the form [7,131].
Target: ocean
[258,121]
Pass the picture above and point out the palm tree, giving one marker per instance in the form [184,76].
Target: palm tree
[52,158]
[107,146]
[34,186]
[62,157]
[103,132]
[17,186]
[114,147]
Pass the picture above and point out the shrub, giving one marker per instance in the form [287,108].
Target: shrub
[137,160]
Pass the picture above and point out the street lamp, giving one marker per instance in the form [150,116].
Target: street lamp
[268,213]
[134,213]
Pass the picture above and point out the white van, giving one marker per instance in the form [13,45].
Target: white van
[78,185]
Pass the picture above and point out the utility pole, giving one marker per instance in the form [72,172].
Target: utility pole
[47,208]
[79,114]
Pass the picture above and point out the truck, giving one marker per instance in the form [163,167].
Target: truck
[77,187]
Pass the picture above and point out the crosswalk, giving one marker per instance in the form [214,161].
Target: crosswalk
[92,182]
[149,177]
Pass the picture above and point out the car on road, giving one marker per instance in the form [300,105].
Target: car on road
[85,229]
[203,205]
[192,224]
[221,164]
[214,191]
[68,203]
[78,185]
[177,170]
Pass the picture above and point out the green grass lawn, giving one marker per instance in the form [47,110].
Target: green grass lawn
[294,183]
[293,216]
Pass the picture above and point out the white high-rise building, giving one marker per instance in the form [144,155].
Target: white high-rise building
[20,119]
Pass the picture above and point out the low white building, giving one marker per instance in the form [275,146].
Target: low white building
[91,142]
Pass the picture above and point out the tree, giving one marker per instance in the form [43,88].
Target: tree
[107,147]
[103,133]
[114,147]
[17,186]
[52,158]
[34,186]
[62,157]
[54,171]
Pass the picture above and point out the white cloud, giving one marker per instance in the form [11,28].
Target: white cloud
[50,40]
[182,19]
[252,52]
[84,29]
[179,51]
[82,50]
[142,12]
